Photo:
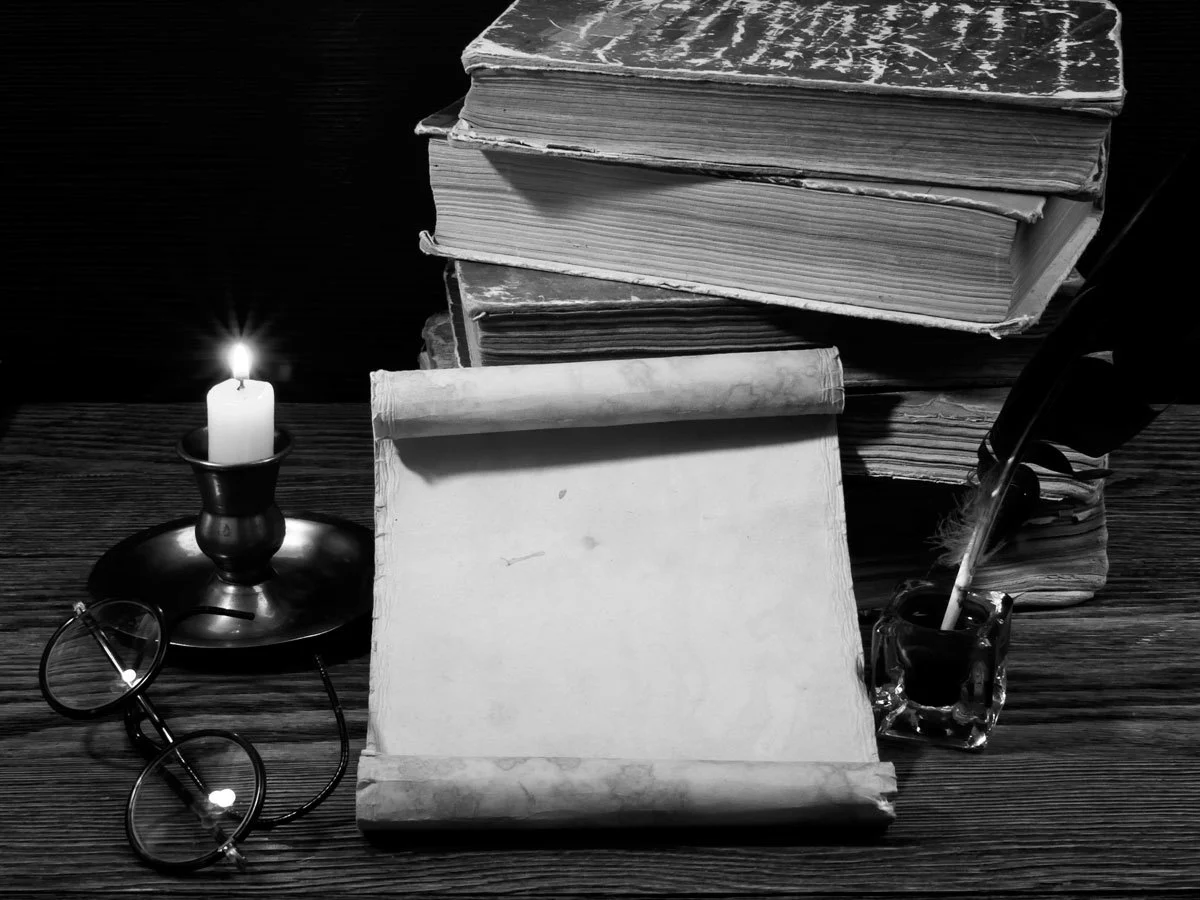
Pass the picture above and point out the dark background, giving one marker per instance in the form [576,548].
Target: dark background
[176,173]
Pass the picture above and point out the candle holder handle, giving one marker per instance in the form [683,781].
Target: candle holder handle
[240,528]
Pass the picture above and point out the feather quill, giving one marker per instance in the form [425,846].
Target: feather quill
[1072,393]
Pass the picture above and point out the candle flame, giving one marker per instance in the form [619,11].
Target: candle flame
[239,361]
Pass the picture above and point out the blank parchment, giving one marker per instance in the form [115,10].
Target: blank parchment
[647,615]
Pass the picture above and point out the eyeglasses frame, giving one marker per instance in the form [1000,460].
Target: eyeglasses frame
[134,700]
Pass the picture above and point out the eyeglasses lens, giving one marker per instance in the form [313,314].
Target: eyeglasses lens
[104,653]
[194,799]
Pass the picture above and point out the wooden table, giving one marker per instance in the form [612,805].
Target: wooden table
[1091,783]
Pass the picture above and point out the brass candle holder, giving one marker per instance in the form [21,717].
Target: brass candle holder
[240,528]
[288,578]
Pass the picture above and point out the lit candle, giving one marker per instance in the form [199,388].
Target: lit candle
[241,415]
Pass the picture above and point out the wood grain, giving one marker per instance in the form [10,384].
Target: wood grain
[1090,784]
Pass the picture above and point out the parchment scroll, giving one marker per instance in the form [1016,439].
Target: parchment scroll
[614,593]
[617,392]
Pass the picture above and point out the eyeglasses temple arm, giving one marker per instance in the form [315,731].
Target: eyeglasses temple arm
[343,761]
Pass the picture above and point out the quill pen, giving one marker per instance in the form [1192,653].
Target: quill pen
[1070,395]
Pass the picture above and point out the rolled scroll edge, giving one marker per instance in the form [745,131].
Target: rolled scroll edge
[598,393]
[420,792]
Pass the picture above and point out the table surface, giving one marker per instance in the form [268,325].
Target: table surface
[1091,783]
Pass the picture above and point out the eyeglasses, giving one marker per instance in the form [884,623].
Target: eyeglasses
[198,795]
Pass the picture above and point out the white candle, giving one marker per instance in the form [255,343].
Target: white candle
[241,415]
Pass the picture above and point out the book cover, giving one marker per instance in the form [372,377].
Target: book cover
[1059,53]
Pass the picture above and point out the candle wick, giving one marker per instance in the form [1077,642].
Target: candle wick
[241,384]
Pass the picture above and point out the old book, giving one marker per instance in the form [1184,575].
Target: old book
[934,436]
[979,261]
[503,315]
[597,603]
[1058,557]
[1013,95]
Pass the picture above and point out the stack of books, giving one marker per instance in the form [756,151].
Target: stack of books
[911,182]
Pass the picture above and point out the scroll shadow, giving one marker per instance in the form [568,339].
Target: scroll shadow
[873,409]
[434,458]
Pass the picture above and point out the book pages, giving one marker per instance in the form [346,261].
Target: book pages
[629,601]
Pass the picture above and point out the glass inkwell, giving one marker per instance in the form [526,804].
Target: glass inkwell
[940,686]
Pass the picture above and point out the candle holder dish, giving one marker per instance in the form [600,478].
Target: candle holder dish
[298,577]
[943,687]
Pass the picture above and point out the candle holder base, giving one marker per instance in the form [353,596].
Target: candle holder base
[321,580]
